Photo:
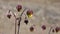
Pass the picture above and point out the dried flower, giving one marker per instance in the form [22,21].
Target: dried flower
[29,13]
[19,7]
[31,29]
[43,27]
[26,21]
[9,16]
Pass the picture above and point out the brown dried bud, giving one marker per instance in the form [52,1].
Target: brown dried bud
[19,7]
[26,21]
[57,29]
[29,12]
[43,27]
[9,16]
[31,29]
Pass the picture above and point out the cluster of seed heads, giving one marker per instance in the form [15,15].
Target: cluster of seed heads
[18,7]
[26,21]
[28,13]
[57,29]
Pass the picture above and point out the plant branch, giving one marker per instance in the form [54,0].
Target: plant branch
[50,30]
[15,20]
[20,20]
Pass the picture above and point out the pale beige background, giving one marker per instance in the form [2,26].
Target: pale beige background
[43,9]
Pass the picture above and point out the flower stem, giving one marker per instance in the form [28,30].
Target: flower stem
[20,20]
[15,20]
[50,30]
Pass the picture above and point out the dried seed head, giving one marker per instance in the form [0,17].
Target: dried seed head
[9,16]
[57,29]
[43,27]
[26,21]
[29,13]
[19,7]
[31,29]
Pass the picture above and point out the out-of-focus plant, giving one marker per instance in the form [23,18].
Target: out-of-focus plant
[19,7]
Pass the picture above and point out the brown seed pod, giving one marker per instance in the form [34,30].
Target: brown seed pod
[9,14]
